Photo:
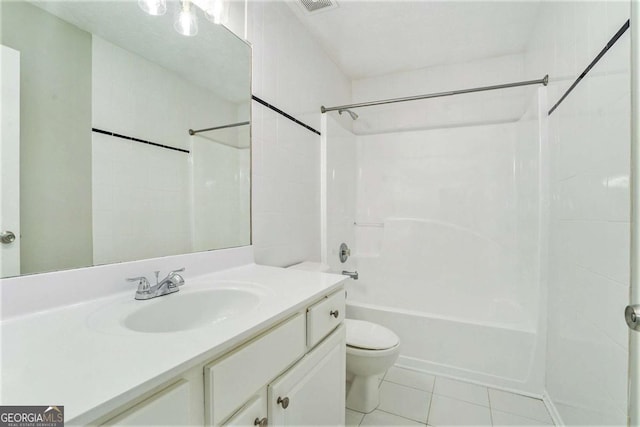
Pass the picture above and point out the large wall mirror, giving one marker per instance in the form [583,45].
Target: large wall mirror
[97,164]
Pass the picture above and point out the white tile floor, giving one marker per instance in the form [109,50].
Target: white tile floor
[409,398]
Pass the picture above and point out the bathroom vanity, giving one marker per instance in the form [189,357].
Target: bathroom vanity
[271,352]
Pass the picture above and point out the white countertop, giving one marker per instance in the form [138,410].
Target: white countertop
[82,357]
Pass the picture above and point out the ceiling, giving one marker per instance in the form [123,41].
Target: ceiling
[371,38]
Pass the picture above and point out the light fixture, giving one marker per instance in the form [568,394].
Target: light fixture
[153,7]
[217,11]
[186,22]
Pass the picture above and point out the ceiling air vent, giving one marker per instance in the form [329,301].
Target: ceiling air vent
[312,6]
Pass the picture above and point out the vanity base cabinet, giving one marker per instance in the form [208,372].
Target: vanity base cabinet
[312,392]
[279,377]
[169,407]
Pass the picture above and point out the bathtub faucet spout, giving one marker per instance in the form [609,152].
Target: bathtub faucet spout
[352,274]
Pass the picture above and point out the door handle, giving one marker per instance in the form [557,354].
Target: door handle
[7,237]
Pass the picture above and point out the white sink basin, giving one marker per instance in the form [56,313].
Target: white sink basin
[183,311]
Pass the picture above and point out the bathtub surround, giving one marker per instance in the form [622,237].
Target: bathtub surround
[447,225]
[586,377]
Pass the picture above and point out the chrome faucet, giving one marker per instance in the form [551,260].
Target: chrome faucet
[168,285]
[352,274]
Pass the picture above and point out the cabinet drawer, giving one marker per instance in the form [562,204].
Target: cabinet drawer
[324,316]
[256,409]
[232,380]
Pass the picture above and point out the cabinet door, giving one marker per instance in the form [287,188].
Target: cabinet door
[252,413]
[170,407]
[313,390]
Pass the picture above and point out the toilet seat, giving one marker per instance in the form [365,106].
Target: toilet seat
[369,336]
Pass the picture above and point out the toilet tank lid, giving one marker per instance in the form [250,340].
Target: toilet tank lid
[369,336]
[311,266]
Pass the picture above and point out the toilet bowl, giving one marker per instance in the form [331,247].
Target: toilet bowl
[371,350]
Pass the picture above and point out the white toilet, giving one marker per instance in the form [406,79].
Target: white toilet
[371,350]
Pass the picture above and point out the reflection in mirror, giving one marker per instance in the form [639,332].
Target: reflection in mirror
[108,170]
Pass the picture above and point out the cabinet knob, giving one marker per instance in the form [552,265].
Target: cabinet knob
[260,422]
[283,401]
[334,313]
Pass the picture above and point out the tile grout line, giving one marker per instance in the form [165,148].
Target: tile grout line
[400,416]
[433,389]
[538,422]
[490,408]
[407,386]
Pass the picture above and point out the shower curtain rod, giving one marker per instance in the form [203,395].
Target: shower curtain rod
[193,132]
[544,81]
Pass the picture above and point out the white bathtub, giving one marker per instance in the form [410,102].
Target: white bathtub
[499,352]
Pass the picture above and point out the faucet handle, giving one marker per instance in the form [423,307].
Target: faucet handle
[179,280]
[143,283]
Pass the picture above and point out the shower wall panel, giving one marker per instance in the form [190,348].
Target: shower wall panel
[586,359]
[450,214]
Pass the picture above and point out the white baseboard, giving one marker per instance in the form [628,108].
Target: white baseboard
[553,411]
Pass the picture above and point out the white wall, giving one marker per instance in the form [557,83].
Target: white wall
[589,247]
[462,110]
[292,72]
